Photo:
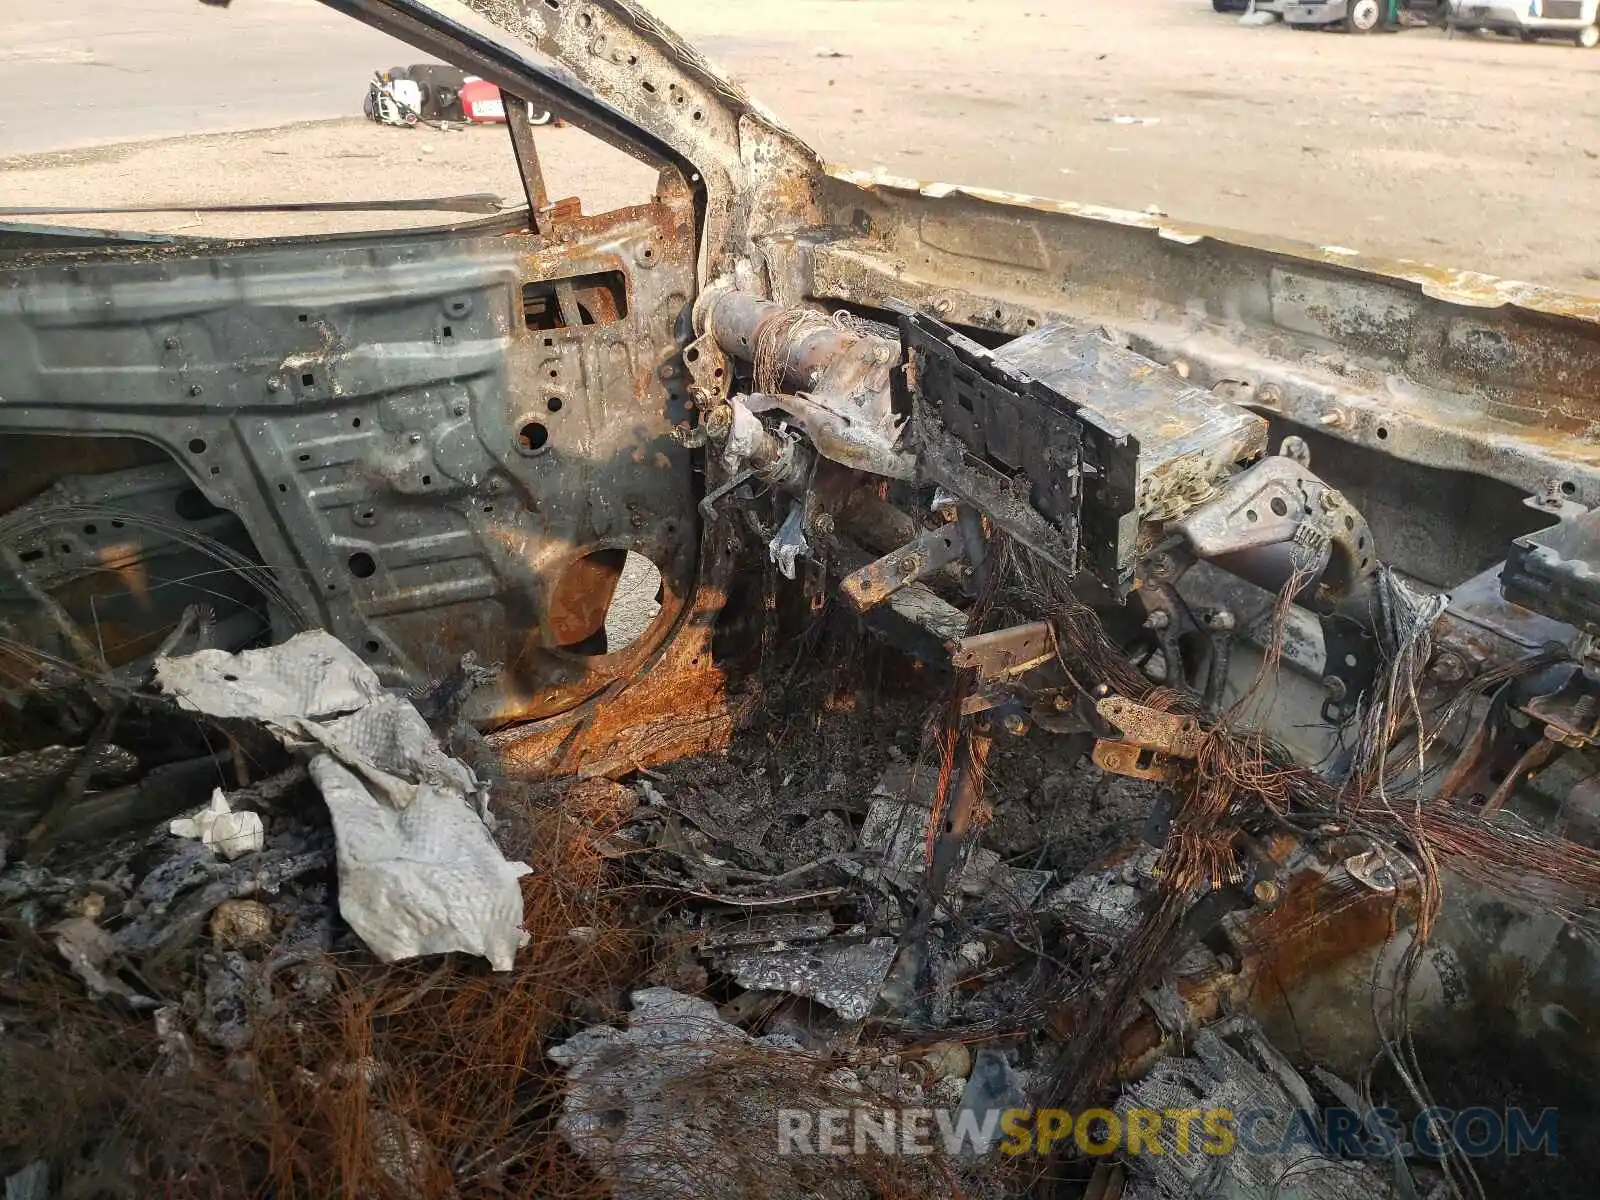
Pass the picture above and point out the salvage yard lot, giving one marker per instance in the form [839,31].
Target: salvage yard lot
[1467,151]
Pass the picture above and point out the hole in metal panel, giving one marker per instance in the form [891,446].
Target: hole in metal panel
[602,299]
[605,602]
[191,505]
[533,437]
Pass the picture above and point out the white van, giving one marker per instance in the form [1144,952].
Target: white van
[1529,19]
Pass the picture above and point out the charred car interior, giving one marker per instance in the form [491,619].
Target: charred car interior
[1292,546]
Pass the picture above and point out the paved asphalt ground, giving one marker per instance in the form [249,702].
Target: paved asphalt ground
[94,71]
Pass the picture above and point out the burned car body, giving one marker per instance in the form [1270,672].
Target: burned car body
[1223,468]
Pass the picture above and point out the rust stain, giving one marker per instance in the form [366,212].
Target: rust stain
[1319,922]
[666,715]
[582,596]
[678,706]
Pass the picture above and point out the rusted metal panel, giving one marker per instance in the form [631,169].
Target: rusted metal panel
[1445,368]
[1006,652]
[675,707]
[1150,728]
[924,555]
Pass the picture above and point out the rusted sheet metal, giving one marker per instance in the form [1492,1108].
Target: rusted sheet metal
[679,706]
[1482,629]
[1317,918]
[596,416]
[1134,762]
[919,558]
[1005,653]
[1455,286]
[418,504]
[580,601]
[1448,369]
[756,174]
[1151,729]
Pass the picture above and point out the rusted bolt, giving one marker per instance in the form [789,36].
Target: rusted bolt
[1270,394]
[1061,701]
[1014,724]
[1332,419]
[415,439]
[1158,619]
[1159,566]
[941,306]
[719,422]
[274,383]
[1332,498]
[1294,447]
[1102,690]
[1220,621]
[195,389]
[821,523]
[1334,686]
[1265,891]
[1448,667]
[171,343]
[459,408]
[911,564]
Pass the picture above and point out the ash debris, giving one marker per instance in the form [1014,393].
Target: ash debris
[716,947]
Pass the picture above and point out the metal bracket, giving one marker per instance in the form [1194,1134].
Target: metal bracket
[922,556]
[1151,729]
[1124,758]
[1006,653]
[708,506]
[1151,739]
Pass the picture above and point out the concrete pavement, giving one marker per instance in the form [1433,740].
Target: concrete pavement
[85,72]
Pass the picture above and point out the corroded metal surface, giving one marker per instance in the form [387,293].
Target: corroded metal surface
[423,456]
[1150,728]
[516,513]
[1006,652]
[926,554]
[756,175]
[1446,368]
